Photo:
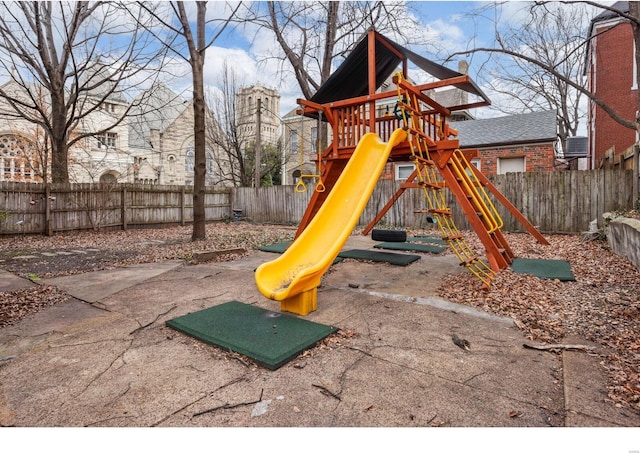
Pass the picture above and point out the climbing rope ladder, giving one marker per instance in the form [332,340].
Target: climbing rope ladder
[430,181]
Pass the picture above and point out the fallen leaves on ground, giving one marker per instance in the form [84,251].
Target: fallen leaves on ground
[123,248]
[15,305]
[601,306]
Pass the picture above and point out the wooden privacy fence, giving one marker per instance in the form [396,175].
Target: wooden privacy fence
[555,202]
[47,208]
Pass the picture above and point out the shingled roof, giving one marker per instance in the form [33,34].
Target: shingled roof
[351,80]
[537,127]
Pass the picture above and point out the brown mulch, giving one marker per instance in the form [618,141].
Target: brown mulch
[601,306]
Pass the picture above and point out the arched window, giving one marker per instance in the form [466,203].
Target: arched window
[189,160]
[209,161]
[172,164]
[108,178]
[17,159]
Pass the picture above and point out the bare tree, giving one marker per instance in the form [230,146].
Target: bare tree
[313,35]
[225,133]
[234,160]
[81,54]
[551,68]
[197,47]
[197,43]
[552,35]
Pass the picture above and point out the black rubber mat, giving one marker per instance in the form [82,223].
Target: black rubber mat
[398,259]
[269,338]
[410,247]
[554,269]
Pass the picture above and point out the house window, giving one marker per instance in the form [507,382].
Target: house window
[634,83]
[293,138]
[209,161]
[107,140]
[15,163]
[108,178]
[476,162]
[403,171]
[510,165]
[189,161]
[108,107]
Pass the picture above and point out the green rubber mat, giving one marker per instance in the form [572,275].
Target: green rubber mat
[410,247]
[396,259]
[277,247]
[269,338]
[555,269]
[430,239]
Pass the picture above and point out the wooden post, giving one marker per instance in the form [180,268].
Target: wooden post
[182,193]
[372,79]
[123,208]
[48,228]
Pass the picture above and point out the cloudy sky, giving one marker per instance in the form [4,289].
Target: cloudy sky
[446,27]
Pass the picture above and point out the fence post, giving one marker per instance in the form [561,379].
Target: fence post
[48,228]
[182,192]
[123,208]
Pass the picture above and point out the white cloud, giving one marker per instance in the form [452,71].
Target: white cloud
[237,60]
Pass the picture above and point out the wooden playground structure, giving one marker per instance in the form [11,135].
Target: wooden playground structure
[348,103]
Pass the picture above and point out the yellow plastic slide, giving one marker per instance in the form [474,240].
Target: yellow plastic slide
[293,277]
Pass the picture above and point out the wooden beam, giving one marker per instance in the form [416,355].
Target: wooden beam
[372,77]
[423,97]
[496,259]
[507,204]
[408,184]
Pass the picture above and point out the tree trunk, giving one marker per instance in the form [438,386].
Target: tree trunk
[197,51]
[59,146]
[200,167]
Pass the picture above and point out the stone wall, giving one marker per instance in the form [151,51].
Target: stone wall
[623,235]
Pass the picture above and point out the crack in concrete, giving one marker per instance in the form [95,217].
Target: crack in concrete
[141,327]
[454,381]
[103,372]
[206,395]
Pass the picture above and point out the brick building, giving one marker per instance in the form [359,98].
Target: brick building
[514,143]
[611,74]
